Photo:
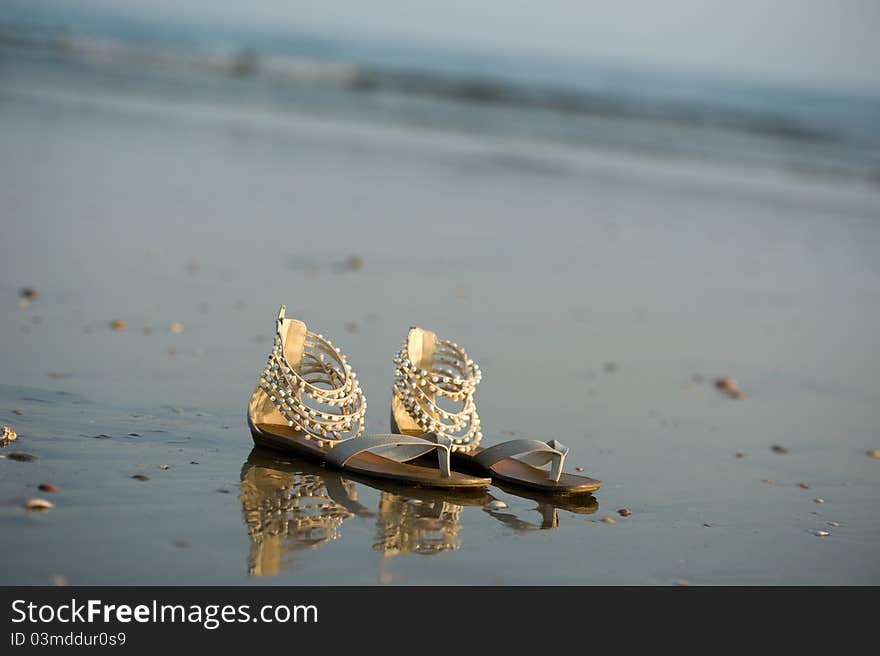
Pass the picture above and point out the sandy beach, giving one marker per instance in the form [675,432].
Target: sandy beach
[601,290]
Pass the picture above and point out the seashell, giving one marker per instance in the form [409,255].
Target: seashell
[7,434]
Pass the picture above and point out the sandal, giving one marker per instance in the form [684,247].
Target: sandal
[427,367]
[308,401]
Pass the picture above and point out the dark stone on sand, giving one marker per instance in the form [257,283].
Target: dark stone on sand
[354,263]
[223,490]
[140,477]
[779,449]
[624,512]
[21,457]
[101,436]
[29,293]
[134,434]
[47,487]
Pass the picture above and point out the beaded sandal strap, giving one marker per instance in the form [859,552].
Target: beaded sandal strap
[319,395]
[453,375]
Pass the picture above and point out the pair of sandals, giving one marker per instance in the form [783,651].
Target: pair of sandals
[308,402]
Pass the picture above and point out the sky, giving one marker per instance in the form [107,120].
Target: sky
[818,43]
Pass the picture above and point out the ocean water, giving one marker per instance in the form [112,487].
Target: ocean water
[603,244]
[569,102]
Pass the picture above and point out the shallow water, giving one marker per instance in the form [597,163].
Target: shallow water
[548,264]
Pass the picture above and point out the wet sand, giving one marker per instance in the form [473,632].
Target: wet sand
[591,287]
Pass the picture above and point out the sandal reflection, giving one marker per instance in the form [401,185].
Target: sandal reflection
[547,505]
[290,505]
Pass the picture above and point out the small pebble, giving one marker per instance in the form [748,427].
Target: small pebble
[769,481]
[740,454]
[726,384]
[118,325]
[38,504]
[609,520]
[164,466]
[27,293]
[624,512]
[835,524]
[47,487]
[818,500]
[804,486]
[134,434]
[580,469]
[730,387]
[223,490]
[193,462]
[821,534]
[18,412]
[22,457]
[707,525]
[175,328]
[354,263]
[873,453]
[779,449]
[140,477]
[495,504]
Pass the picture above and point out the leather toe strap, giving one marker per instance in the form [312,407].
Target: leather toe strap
[531,452]
[400,448]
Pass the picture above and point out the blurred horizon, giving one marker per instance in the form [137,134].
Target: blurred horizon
[815,55]
[551,99]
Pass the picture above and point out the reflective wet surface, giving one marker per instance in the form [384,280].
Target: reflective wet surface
[295,505]
[601,293]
